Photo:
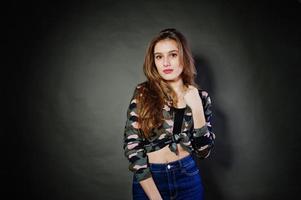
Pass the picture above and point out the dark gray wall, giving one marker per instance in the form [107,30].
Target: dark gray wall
[73,68]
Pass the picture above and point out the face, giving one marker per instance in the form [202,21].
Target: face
[167,60]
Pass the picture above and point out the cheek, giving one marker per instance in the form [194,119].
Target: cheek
[180,69]
[158,64]
[176,62]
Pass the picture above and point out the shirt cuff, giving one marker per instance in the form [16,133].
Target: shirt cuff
[143,174]
[198,132]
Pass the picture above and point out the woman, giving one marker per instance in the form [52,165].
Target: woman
[168,119]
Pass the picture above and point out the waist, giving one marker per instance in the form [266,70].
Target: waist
[165,155]
[178,164]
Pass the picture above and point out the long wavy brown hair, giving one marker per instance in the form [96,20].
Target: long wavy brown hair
[155,92]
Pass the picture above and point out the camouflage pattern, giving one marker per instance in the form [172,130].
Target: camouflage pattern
[197,140]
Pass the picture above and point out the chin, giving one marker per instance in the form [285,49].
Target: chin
[170,78]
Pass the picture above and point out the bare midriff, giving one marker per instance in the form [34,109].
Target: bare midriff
[165,155]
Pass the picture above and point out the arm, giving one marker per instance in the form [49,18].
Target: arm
[203,137]
[150,189]
[135,152]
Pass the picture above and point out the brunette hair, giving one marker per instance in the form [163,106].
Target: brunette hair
[155,92]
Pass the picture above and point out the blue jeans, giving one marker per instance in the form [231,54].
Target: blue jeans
[175,180]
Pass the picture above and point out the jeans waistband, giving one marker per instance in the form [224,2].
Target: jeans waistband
[183,162]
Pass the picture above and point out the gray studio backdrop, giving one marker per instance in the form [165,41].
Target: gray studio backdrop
[83,60]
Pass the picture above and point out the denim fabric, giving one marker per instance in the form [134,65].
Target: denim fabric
[175,180]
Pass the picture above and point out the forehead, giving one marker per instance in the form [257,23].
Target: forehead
[165,46]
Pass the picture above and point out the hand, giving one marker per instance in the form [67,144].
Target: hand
[150,189]
[194,101]
[192,98]
[156,198]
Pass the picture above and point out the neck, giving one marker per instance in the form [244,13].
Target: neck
[177,86]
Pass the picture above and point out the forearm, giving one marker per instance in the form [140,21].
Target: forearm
[150,189]
[198,118]
[202,135]
[202,138]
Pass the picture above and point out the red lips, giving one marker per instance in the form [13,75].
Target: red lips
[167,71]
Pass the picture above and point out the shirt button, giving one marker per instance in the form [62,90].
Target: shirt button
[168,166]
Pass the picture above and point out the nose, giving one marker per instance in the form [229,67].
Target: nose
[166,62]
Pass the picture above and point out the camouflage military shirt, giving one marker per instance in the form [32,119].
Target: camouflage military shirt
[197,140]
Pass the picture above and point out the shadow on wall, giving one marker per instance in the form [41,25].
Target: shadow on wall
[220,160]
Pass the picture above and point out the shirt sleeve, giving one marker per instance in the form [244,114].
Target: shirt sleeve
[203,138]
[133,142]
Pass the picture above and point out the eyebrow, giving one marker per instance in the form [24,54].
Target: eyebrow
[168,52]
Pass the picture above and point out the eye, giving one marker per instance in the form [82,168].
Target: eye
[158,57]
[174,55]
